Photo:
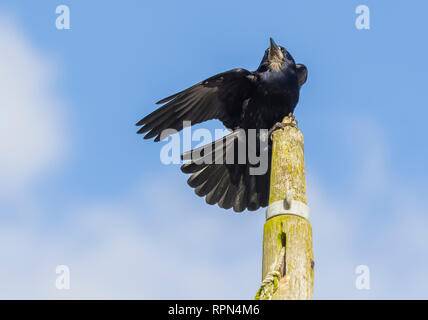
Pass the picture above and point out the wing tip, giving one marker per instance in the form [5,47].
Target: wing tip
[164,100]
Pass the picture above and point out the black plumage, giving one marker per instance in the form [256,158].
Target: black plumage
[240,99]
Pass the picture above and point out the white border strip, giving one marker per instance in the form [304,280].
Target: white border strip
[279,208]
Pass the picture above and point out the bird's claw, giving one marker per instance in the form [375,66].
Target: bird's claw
[282,125]
[276,126]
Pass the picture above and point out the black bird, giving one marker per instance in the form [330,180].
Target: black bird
[240,99]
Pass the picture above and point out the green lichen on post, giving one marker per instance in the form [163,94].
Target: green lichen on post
[288,174]
[288,164]
[297,283]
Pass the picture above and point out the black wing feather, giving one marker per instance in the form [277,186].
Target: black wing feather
[218,97]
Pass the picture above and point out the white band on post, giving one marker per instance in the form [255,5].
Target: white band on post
[279,208]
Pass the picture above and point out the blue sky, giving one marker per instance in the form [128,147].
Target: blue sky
[79,187]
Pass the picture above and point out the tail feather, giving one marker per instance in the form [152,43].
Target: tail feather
[200,176]
[218,191]
[253,195]
[240,202]
[211,181]
[228,185]
[226,200]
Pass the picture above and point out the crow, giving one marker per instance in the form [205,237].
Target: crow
[241,100]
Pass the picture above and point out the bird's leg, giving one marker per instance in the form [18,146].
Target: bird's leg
[282,125]
[276,126]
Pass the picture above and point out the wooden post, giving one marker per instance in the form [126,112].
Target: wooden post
[296,272]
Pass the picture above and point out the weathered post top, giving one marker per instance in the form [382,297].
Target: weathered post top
[288,265]
[288,163]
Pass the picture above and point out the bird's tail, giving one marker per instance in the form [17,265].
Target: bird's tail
[219,175]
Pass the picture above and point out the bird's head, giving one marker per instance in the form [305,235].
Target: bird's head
[276,57]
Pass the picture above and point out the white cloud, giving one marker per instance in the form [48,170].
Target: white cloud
[111,252]
[117,250]
[154,243]
[30,113]
[379,223]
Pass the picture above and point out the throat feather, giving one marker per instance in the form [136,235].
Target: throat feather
[275,65]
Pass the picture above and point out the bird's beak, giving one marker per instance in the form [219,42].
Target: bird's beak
[275,53]
[273,45]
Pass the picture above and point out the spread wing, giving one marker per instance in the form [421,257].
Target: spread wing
[219,97]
